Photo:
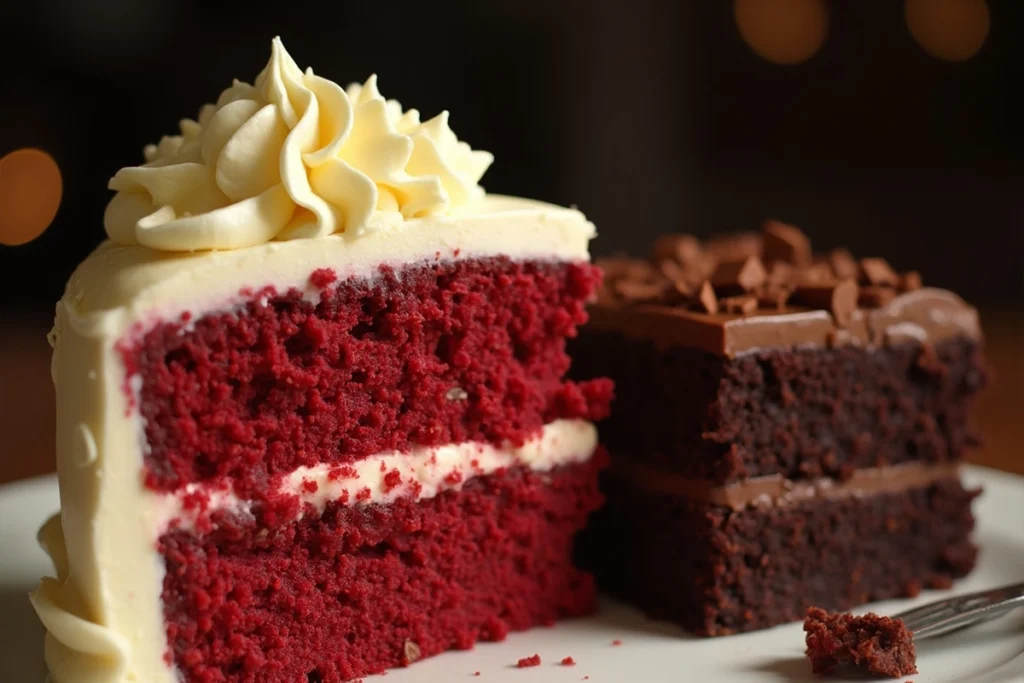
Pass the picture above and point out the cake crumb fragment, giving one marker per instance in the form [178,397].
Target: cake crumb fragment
[883,646]
[568,661]
[528,662]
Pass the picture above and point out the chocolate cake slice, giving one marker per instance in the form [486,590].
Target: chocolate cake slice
[786,431]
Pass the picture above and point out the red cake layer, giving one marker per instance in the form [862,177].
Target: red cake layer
[363,589]
[436,353]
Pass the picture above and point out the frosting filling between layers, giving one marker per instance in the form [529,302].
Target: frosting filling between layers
[776,489]
[82,649]
[383,478]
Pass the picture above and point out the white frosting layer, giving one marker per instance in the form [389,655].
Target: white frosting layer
[102,612]
[384,478]
[292,156]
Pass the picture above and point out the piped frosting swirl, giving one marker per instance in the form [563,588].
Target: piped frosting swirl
[292,156]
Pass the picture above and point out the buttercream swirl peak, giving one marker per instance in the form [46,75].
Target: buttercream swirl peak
[292,156]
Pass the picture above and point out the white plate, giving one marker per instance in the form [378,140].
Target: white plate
[649,651]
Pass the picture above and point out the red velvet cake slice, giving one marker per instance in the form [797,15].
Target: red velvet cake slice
[312,414]
[786,433]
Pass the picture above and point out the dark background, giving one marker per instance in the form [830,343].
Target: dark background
[649,115]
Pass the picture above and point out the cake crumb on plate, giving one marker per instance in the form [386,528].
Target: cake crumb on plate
[880,645]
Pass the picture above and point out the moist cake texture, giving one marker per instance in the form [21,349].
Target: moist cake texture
[787,425]
[883,646]
[313,419]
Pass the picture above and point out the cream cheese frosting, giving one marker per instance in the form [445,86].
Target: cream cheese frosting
[292,156]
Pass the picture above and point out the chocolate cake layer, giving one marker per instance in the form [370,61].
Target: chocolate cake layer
[800,413]
[717,571]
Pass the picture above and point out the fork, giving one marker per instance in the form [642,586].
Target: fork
[951,614]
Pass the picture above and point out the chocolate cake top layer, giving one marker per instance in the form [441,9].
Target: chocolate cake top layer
[749,291]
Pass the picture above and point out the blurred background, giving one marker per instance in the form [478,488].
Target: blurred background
[893,127]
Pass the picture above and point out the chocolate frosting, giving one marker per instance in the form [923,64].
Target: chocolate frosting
[777,490]
[923,315]
[746,292]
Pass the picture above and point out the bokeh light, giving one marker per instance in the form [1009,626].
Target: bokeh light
[783,31]
[30,193]
[952,30]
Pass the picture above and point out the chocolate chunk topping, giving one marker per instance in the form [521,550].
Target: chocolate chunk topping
[773,297]
[838,298]
[739,274]
[682,249]
[742,305]
[877,271]
[910,281]
[640,292]
[706,300]
[817,273]
[875,297]
[785,243]
[780,273]
[734,247]
[734,277]
[842,263]
[679,277]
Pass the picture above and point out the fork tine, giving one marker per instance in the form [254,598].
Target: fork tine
[960,611]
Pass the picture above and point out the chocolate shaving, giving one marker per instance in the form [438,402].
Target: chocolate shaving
[780,273]
[817,273]
[734,247]
[773,297]
[875,297]
[742,305]
[706,300]
[634,291]
[911,281]
[838,298]
[785,243]
[738,274]
[682,249]
[735,277]
[679,277]
[877,271]
[842,263]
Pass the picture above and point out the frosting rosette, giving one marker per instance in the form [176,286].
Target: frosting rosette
[292,156]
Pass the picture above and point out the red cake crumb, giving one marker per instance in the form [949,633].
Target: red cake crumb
[347,594]
[616,643]
[322,278]
[252,394]
[392,480]
[525,662]
[881,645]
[568,661]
